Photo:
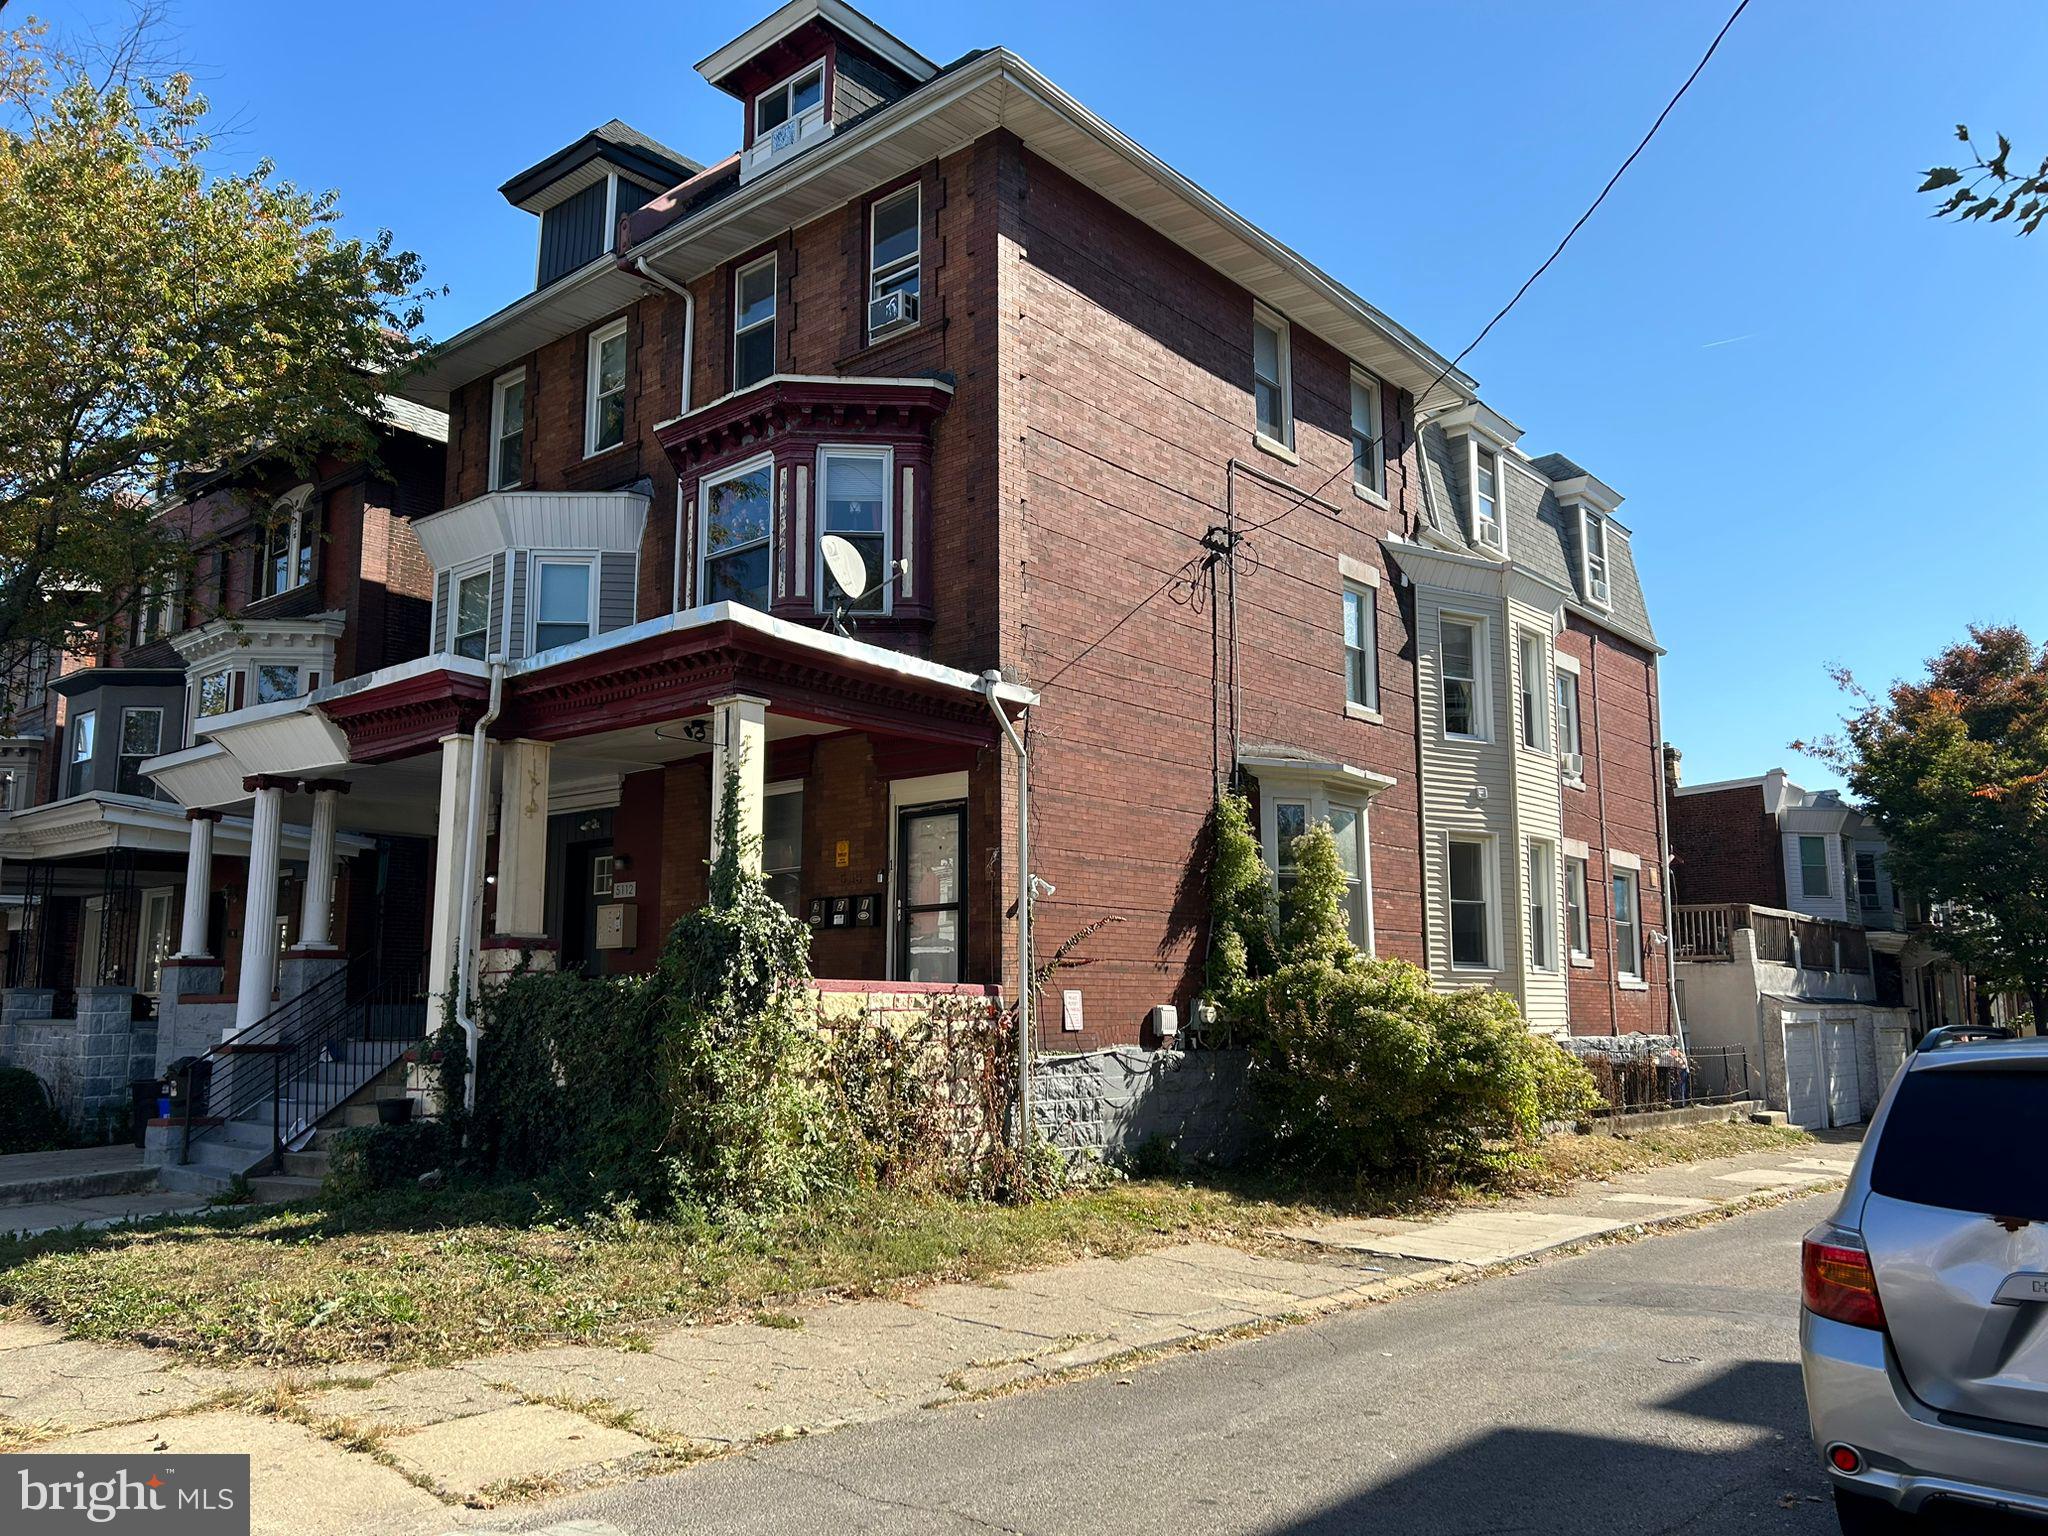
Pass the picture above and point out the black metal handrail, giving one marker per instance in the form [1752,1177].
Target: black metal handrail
[300,1058]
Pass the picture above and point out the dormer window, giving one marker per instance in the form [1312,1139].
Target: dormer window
[753,323]
[787,105]
[286,560]
[1593,550]
[1486,498]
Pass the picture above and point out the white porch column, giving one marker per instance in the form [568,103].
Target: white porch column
[259,908]
[739,735]
[444,940]
[523,839]
[316,911]
[198,884]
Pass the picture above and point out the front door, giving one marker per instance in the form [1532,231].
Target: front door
[589,868]
[931,864]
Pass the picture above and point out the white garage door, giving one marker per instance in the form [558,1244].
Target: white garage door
[1845,1097]
[1805,1103]
[1891,1053]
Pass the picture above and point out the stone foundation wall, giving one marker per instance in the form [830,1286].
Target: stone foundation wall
[1112,1102]
[86,1063]
[1619,1048]
[186,1027]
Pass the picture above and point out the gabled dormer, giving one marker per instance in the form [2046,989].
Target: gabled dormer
[1589,505]
[1481,439]
[805,71]
[581,190]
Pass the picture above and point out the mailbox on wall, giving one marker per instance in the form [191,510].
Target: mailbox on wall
[617,925]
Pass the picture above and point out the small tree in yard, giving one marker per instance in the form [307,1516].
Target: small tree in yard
[1240,904]
[156,317]
[1954,771]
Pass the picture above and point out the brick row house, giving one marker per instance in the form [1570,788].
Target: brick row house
[940,411]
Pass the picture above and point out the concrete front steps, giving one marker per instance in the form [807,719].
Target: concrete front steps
[242,1147]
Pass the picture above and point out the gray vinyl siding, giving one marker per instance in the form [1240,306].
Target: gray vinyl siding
[497,631]
[441,612]
[572,233]
[515,648]
[617,579]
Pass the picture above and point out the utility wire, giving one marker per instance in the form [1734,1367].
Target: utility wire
[1188,570]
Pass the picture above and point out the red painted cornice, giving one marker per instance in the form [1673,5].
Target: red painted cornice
[886,409]
[407,717]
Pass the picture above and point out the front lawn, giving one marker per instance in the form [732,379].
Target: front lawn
[413,1276]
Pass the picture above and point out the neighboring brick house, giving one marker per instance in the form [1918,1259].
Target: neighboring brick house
[291,580]
[1028,379]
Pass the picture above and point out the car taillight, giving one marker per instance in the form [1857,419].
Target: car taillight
[1836,1280]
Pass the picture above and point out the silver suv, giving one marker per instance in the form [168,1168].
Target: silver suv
[1924,1334]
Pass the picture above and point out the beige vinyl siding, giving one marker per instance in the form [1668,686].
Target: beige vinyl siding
[1539,813]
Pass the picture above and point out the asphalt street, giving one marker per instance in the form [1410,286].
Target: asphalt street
[1646,1388]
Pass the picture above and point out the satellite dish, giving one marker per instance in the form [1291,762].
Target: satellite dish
[846,564]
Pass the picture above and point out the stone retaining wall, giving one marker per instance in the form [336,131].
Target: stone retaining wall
[1112,1102]
[86,1062]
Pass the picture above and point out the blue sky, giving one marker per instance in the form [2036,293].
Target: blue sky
[1821,406]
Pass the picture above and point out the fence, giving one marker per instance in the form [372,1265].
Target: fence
[1674,1079]
[1706,933]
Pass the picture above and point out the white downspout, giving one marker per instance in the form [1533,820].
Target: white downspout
[472,862]
[683,405]
[1026,1006]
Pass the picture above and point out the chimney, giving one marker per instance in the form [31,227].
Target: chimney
[1671,776]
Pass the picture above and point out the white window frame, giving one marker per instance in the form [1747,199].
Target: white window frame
[256,671]
[1595,570]
[705,485]
[1532,693]
[1827,884]
[1571,742]
[593,401]
[887,456]
[1277,323]
[1275,791]
[589,563]
[456,577]
[1488,529]
[769,792]
[795,118]
[1366,389]
[1489,873]
[299,497]
[1632,923]
[897,269]
[500,387]
[1368,597]
[156,913]
[1578,919]
[739,276]
[85,733]
[1543,897]
[158,614]
[1482,679]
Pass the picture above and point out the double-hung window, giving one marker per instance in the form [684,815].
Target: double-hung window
[782,844]
[1578,930]
[1486,497]
[1542,905]
[1464,672]
[142,737]
[1346,820]
[1568,742]
[1593,547]
[753,323]
[788,102]
[853,502]
[276,682]
[1628,927]
[1272,386]
[1361,646]
[159,614]
[1813,866]
[605,417]
[894,261]
[84,734]
[214,694]
[508,431]
[562,602]
[1368,466]
[285,558]
[1866,881]
[1535,718]
[469,628]
[1471,900]
[733,517]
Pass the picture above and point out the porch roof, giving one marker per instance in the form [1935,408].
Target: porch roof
[94,823]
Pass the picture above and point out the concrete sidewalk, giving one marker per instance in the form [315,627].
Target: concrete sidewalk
[81,1187]
[422,1444]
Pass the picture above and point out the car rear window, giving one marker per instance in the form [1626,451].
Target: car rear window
[1969,1141]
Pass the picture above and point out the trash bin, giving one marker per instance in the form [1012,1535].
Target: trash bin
[142,1096]
[199,1071]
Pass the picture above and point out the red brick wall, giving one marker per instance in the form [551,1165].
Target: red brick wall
[1724,848]
[1131,364]
[1616,808]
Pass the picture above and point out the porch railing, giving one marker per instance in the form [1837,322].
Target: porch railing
[1706,932]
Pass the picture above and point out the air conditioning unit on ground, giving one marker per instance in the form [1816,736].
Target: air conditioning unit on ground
[891,312]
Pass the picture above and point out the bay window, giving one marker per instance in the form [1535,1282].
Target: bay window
[1813,866]
[469,630]
[275,682]
[753,323]
[853,502]
[563,603]
[214,693]
[1293,813]
[142,737]
[84,734]
[733,549]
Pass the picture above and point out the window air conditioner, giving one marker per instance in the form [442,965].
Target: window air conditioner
[892,311]
[1574,765]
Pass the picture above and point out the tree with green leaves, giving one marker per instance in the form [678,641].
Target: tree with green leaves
[1990,188]
[1953,769]
[157,316]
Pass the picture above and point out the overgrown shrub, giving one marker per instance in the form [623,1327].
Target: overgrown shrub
[1362,1068]
[367,1158]
[28,1120]
[1240,905]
